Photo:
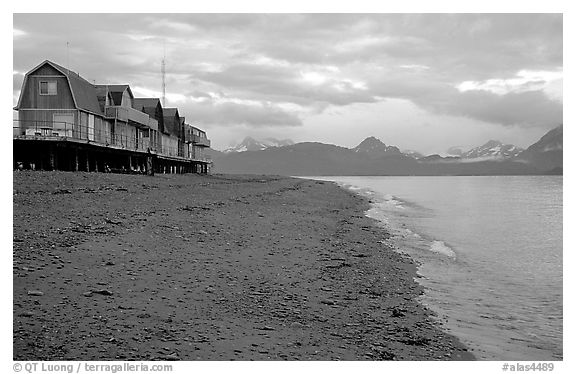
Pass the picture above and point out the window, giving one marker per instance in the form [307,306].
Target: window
[48,88]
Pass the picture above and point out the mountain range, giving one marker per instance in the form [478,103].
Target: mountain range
[373,157]
[251,144]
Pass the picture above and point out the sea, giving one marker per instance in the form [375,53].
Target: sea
[489,250]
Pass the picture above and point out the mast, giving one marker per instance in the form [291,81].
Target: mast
[163,70]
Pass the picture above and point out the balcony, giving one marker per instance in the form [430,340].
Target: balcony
[200,141]
[128,114]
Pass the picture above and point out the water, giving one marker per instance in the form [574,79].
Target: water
[490,254]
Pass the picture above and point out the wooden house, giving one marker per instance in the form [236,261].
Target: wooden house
[172,137]
[57,101]
[66,122]
[196,143]
[152,107]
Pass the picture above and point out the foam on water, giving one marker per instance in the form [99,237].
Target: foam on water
[438,246]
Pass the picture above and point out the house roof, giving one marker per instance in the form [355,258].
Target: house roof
[83,92]
[116,87]
[171,112]
[102,93]
[116,91]
[145,102]
[171,121]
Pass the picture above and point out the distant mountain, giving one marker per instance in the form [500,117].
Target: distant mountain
[547,153]
[455,151]
[315,159]
[438,158]
[370,157]
[492,149]
[251,144]
[414,154]
[374,147]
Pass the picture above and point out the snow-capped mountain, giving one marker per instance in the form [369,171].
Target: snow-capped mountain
[493,149]
[251,144]
[374,147]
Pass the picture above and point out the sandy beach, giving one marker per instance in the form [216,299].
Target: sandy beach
[190,267]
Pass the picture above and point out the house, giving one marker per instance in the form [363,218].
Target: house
[196,145]
[153,108]
[65,122]
[171,139]
[57,101]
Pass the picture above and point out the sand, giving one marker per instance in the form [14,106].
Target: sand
[190,267]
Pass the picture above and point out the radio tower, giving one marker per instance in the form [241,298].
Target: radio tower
[164,78]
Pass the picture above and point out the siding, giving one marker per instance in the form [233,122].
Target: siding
[46,70]
[31,97]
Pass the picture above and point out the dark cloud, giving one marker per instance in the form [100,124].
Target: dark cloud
[220,53]
[531,108]
[528,108]
[230,113]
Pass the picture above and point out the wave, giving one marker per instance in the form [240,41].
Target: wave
[383,205]
[440,247]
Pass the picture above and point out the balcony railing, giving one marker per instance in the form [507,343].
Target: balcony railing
[55,130]
[199,140]
[128,114]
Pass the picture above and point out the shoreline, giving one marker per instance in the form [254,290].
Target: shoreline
[189,267]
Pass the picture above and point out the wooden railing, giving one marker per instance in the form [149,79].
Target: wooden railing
[128,114]
[30,129]
[199,140]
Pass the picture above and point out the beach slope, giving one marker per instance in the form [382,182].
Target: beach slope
[189,267]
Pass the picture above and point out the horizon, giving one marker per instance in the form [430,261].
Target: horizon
[421,82]
[375,137]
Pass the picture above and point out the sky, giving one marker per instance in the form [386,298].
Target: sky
[423,82]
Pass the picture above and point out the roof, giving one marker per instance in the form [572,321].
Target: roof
[171,112]
[116,87]
[171,123]
[145,102]
[101,94]
[116,91]
[83,92]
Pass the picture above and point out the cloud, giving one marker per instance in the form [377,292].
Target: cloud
[530,108]
[229,113]
[523,81]
[280,83]
[274,69]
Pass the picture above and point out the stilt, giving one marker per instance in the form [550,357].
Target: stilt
[149,166]
[52,159]
[76,160]
[87,161]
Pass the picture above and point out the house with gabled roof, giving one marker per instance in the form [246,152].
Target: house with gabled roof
[171,141]
[53,94]
[153,108]
[62,116]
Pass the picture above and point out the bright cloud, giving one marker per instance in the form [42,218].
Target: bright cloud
[525,80]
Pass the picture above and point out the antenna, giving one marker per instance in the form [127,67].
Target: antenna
[163,69]
[67,57]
